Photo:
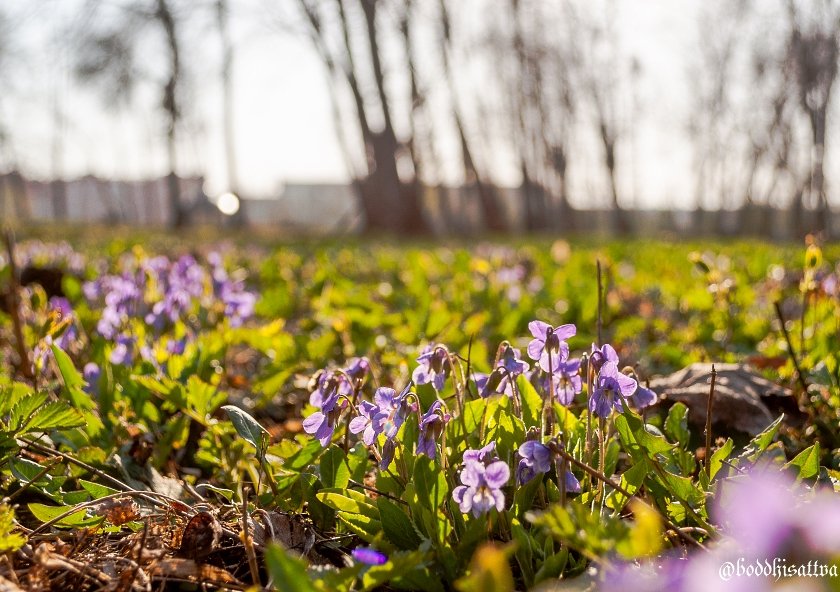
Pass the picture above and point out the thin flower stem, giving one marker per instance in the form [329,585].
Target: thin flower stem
[517,401]
[602,448]
[708,455]
[791,351]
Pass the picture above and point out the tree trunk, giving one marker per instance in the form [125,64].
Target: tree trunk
[172,108]
[402,212]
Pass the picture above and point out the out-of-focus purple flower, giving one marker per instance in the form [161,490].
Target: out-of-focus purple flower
[431,427]
[92,373]
[481,487]
[643,397]
[434,367]
[763,510]
[611,389]
[176,346]
[568,382]
[497,382]
[510,360]
[601,355]
[829,285]
[500,380]
[358,368]
[549,345]
[123,351]
[327,384]
[367,422]
[369,556]
[657,575]
[69,334]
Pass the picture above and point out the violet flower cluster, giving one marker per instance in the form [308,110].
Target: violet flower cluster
[384,416]
[162,293]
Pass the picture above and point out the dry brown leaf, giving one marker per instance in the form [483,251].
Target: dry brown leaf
[188,569]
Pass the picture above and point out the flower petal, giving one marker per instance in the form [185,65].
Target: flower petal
[312,423]
[497,474]
[539,329]
[357,424]
[565,331]
[535,348]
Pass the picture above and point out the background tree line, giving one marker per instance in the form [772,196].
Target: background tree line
[428,96]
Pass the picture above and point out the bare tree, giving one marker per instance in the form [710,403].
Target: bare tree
[813,51]
[109,56]
[389,202]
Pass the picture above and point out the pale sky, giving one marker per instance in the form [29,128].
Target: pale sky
[284,128]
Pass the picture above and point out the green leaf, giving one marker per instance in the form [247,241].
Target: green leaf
[9,540]
[248,427]
[397,526]
[73,389]
[636,440]
[532,402]
[757,446]
[289,573]
[348,501]
[363,526]
[72,378]
[676,424]
[631,480]
[55,416]
[334,469]
[78,519]
[25,470]
[720,455]
[96,490]
[807,462]
[430,483]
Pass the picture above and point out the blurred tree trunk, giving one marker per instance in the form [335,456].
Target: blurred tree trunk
[171,104]
[493,214]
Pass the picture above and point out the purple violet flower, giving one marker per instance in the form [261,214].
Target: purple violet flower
[393,409]
[643,397]
[549,347]
[434,367]
[322,423]
[431,427]
[123,351]
[484,455]
[600,355]
[611,389]
[388,450]
[369,556]
[568,382]
[92,374]
[536,459]
[367,421]
[481,487]
[511,361]
[358,368]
